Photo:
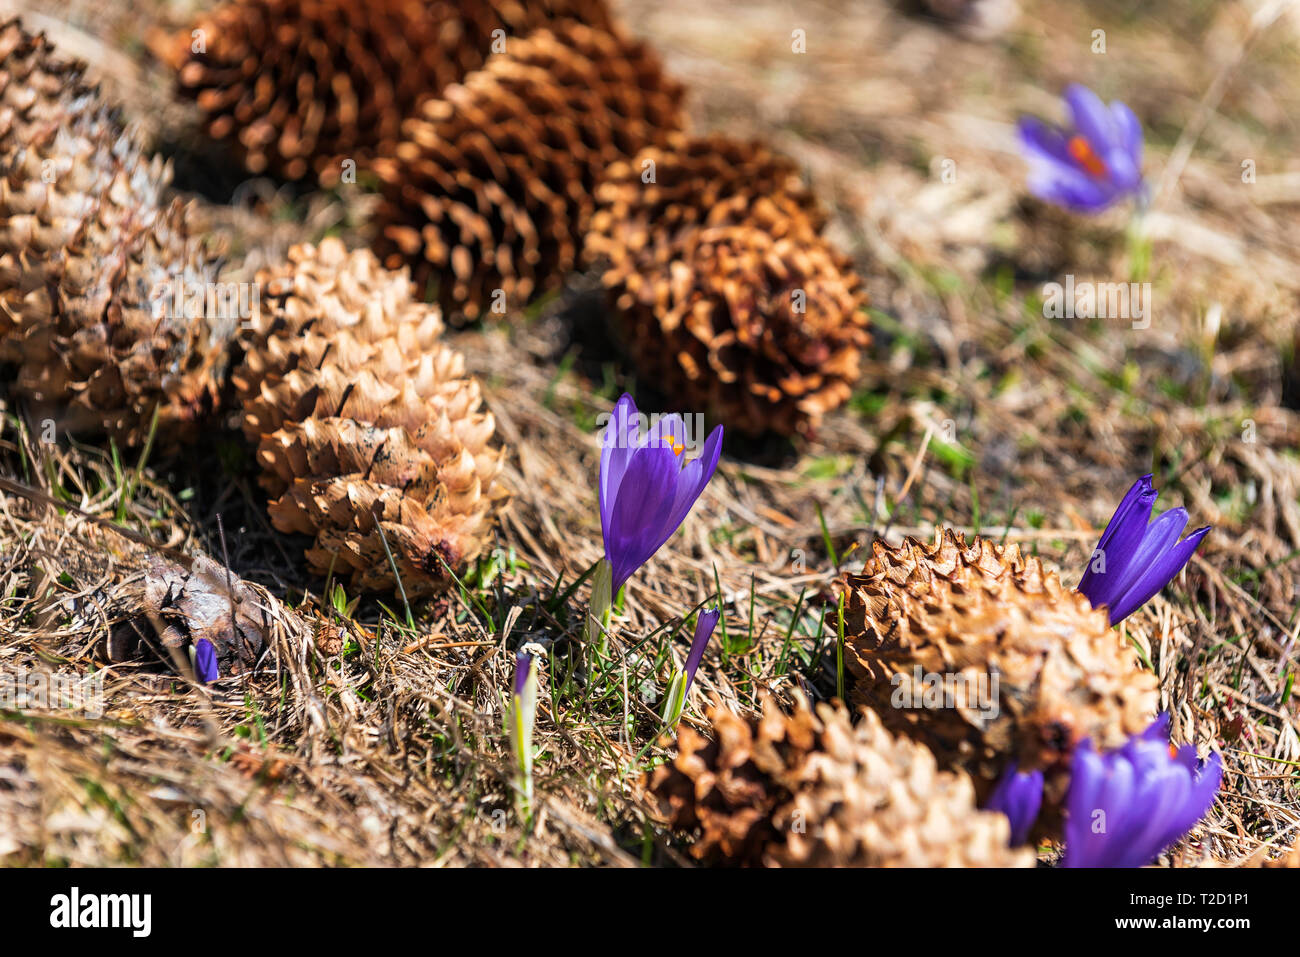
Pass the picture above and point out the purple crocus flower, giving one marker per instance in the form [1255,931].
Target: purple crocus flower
[1019,795]
[205,661]
[1137,557]
[1090,165]
[704,625]
[646,486]
[1125,807]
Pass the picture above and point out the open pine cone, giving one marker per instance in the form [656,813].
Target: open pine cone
[301,85]
[492,185]
[92,255]
[369,430]
[982,610]
[731,298]
[810,789]
[648,201]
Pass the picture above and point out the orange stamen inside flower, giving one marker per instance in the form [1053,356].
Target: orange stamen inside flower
[677,447]
[1173,752]
[1082,153]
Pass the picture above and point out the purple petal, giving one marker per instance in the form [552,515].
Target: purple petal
[1124,174]
[1043,143]
[1019,796]
[1119,542]
[695,476]
[617,446]
[1072,189]
[205,661]
[1151,799]
[636,528]
[1133,501]
[1087,777]
[1157,539]
[1129,130]
[704,625]
[1204,784]
[1126,805]
[1200,800]
[1168,790]
[1157,576]
[667,427]
[1089,115]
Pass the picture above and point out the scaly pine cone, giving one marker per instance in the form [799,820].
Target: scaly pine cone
[810,789]
[492,186]
[697,180]
[301,85]
[91,253]
[979,610]
[730,296]
[368,428]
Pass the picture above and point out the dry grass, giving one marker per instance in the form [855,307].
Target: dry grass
[383,744]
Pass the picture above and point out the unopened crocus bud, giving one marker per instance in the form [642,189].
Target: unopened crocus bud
[203,656]
[1137,557]
[681,683]
[1019,795]
[520,715]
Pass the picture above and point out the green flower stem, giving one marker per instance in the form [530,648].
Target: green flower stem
[602,601]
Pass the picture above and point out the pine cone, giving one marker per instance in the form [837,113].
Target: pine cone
[812,790]
[729,788]
[93,259]
[492,186]
[694,181]
[730,296]
[369,431]
[978,611]
[301,85]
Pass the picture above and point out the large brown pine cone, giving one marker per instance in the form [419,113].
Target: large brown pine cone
[811,789]
[302,85]
[369,430]
[978,611]
[730,296]
[491,187]
[647,202]
[91,255]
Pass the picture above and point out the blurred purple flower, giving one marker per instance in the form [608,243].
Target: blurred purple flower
[205,661]
[523,666]
[1134,559]
[1125,807]
[1090,165]
[645,490]
[704,625]
[1018,795]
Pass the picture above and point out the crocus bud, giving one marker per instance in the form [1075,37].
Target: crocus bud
[203,656]
[519,725]
[675,700]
